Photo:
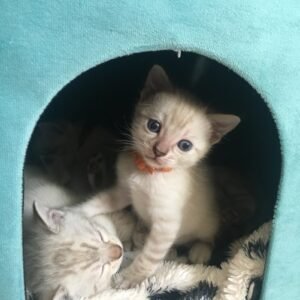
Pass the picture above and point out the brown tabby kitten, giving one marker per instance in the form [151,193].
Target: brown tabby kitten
[78,158]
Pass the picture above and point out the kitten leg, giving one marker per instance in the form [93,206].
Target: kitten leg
[161,238]
[200,253]
[104,202]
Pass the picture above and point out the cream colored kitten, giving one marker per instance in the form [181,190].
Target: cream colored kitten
[65,248]
[163,175]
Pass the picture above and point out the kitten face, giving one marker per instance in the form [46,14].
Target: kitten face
[170,129]
[74,252]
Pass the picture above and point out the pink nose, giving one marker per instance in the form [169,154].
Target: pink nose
[159,152]
[114,251]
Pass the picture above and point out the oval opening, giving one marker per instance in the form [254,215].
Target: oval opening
[105,96]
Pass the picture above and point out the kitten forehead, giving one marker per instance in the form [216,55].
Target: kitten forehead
[81,228]
[177,112]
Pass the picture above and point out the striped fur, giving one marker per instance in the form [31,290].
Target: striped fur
[77,253]
[177,206]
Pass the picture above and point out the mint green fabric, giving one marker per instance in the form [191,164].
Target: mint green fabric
[46,44]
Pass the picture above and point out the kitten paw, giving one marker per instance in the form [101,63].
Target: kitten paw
[200,253]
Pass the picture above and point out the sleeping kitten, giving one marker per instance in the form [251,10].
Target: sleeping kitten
[164,176]
[64,248]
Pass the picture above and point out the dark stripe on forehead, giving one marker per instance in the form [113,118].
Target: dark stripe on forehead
[86,266]
[89,246]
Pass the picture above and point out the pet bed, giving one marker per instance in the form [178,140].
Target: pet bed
[46,44]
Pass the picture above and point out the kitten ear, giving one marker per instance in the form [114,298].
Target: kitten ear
[157,81]
[61,294]
[221,125]
[52,218]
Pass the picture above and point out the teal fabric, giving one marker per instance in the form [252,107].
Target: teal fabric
[46,44]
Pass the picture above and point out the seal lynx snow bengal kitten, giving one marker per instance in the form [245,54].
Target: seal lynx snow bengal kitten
[64,248]
[164,177]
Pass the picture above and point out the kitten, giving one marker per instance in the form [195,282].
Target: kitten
[64,248]
[96,159]
[79,158]
[236,200]
[59,244]
[164,177]
[53,147]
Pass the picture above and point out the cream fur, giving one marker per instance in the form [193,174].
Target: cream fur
[39,187]
[178,206]
[53,260]
[71,251]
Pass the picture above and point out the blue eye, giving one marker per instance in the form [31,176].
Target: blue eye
[185,145]
[153,125]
